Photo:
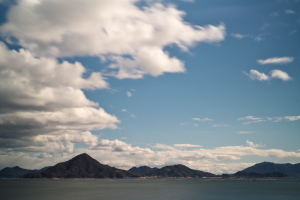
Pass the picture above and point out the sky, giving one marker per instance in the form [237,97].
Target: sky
[210,84]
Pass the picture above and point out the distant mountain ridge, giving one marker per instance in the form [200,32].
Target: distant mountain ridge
[84,166]
[81,166]
[142,170]
[292,170]
[15,172]
[260,175]
[171,171]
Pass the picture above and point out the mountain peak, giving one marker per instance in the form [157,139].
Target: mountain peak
[269,167]
[81,166]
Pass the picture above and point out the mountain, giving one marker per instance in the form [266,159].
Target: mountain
[292,170]
[15,172]
[258,175]
[81,166]
[142,169]
[178,171]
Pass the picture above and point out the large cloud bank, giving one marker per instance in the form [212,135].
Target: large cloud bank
[44,111]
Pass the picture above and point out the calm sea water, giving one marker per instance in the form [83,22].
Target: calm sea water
[156,189]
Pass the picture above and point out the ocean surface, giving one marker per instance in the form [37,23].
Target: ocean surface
[149,189]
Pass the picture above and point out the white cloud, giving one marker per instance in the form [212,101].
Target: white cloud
[240,36]
[292,118]
[163,146]
[126,111]
[276,60]
[186,145]
[42,100]
[256,75]
[131,38]
[251,119]
[202,119]
[129,94]
[259,38]
[251,144]
[280,75]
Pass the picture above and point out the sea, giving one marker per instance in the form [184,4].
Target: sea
[148,189]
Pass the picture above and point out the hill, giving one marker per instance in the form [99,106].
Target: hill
[142,170]
[178,171]
[81,166]
[15,172]
[258,175]
[292,170]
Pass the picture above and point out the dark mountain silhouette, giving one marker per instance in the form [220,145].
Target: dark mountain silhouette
[81,166]
[142,170]
[178,171]
[258,175]
[292,170]
[15,172]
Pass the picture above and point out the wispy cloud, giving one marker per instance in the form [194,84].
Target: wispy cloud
[251,119]
[126,111]
[239,35]
[163,146]
[187,145]
[130,92]
[256,75]
[289,12]
[206,119]
[276,60]
[251,144]
[274,74]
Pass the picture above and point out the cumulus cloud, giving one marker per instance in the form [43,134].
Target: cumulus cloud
[131,38]
[280,75]
[42,99]
[276,60]
[42,102]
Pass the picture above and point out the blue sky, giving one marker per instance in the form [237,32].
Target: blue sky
[209,84]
